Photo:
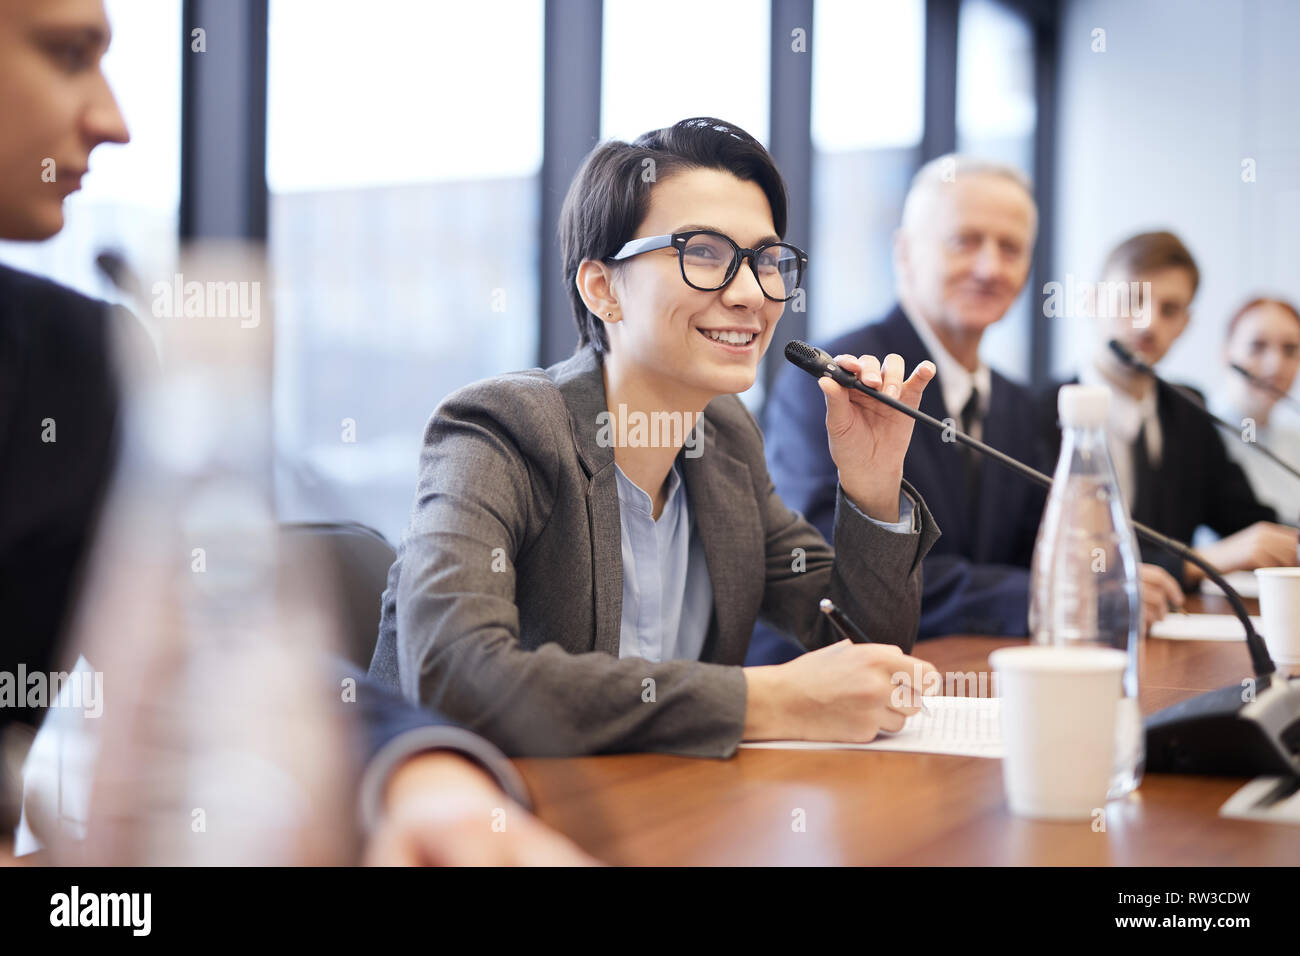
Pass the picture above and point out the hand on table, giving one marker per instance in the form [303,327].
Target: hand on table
[846,691]
[441,809]
[1159,593]
[1262,545]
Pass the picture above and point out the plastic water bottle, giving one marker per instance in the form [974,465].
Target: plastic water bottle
[1085,583]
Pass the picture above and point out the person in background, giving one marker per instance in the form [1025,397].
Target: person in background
[1264,339]
[961,257]
[429,788]
[1172,465]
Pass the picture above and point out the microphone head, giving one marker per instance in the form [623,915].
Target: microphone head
[1128,358]
[118,271]
[1250,376]
[113,265]
[1262,383]
[818,363]
[809,358]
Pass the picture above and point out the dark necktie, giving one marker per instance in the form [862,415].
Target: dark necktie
[970,419]
[1141,476]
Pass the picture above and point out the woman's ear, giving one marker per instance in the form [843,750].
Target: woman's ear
[595,281]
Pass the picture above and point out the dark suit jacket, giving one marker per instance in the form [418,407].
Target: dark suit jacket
[56,362]
[976,577]
[1197,482]
[391,729]
[55,367]
[504,606]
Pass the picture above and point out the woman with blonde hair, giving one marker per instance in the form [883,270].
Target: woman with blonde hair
[1263,343]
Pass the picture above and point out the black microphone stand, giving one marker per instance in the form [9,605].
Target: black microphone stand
[1135,363]
[1265,384]
[1216,732]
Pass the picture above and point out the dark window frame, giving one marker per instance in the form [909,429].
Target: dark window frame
[223,100]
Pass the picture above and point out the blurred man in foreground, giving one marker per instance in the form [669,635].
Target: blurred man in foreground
[429,791]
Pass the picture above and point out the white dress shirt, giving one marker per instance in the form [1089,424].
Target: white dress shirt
[955,380]
[1127,417]
[1271,483]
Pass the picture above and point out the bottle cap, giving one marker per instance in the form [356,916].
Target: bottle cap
[1083,406]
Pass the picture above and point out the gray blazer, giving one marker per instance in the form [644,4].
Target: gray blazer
[503,609]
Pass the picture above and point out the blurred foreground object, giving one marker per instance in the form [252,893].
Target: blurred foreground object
[218,743]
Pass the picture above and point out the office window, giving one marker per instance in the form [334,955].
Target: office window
[996,119]
[682,58]
[679,58]
[130,200]
[404,149]
[867,118]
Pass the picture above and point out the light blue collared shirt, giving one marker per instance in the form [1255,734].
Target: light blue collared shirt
[667,592]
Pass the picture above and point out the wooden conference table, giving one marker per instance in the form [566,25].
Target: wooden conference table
[864,807]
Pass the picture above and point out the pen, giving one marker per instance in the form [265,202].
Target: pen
[842,622]
[848,629]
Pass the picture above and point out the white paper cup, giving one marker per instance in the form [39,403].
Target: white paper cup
[1279,609]
[1059,707]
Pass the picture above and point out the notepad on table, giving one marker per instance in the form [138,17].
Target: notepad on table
[1201,627]
[961,726]
[1270,799]
[1243,582]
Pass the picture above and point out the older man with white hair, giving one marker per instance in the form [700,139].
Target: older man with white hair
[961,257]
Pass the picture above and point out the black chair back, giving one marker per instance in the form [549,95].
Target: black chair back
[359,558]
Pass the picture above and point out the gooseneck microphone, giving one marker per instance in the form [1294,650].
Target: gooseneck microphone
[818,363]
[1135,363]
[1215,732]
[1265,384]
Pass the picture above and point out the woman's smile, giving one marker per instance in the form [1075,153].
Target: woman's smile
[734,341]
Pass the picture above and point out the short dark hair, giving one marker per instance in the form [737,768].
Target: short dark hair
[1150,252]
[610,196]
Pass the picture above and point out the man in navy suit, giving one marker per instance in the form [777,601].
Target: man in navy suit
[961,257]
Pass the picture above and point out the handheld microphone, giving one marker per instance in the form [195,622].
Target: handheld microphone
[1216,732]
[1265,384]
[1135,363]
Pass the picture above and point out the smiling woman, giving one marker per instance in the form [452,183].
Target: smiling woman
[560,571]
[712,196]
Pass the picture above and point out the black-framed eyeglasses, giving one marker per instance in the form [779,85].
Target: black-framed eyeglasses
[710,260]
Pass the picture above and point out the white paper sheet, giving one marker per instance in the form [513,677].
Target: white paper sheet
[59,767]
[1243,582]
[962,726]
[1202,627]
[1247,803]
